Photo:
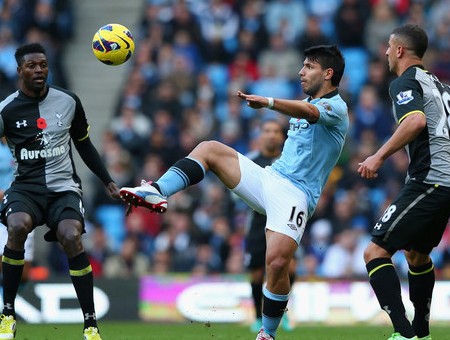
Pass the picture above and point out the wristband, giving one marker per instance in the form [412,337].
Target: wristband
[270,104]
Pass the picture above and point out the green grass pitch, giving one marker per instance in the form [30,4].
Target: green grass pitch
[198,331]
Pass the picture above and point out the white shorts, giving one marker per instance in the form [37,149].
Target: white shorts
[268,193]
[29,243]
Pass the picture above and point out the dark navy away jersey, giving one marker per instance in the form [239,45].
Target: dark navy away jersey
[38,132]
[417,90]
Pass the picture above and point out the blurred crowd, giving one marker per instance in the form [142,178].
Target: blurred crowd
[191,57]
[49,22]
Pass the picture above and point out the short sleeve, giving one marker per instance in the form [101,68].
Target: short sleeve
[407,97]
[332,112]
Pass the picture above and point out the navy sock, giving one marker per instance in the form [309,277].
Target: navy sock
[386,285]
[83,282]
[421,284]
[257,294]
[12,267]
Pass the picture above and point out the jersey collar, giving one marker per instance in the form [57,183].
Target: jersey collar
[37,99]
[416,66]
[328,95]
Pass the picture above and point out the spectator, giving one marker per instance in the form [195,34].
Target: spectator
[370,113]
[8,47]
[177,239]
[280,58]
[320,239]
[131,129]
[350,23]
[183,20]
[379,26]
[98,250]
[219,26]
[379,77]
[252,24]
[164,97]
[313,34]
[324,11]
[129,263]
[285,18]
[337,262]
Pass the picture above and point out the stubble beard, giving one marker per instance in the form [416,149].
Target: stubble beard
[312,90]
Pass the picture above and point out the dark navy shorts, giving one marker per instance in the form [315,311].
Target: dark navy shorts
[44,208]
[416,220]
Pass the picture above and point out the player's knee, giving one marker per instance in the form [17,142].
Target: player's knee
[367,255]
[210,147]
[204,146]
[370,253]
[210,153]
[18,230]
[277,264]
[417,259]
[69,234]
[374,251]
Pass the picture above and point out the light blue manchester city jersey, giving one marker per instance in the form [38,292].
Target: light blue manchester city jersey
[312,150]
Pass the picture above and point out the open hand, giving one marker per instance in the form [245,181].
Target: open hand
[254,101]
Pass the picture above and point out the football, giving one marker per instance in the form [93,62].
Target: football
[113,44]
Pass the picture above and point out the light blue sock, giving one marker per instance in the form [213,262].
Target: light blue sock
[185,172]
[271,323]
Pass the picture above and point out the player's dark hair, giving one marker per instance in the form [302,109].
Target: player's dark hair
[328,56]
[272,119]
[28,49]
[269,119]
[414,37]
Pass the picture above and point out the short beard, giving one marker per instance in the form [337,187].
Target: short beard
[38,90]
[312,91]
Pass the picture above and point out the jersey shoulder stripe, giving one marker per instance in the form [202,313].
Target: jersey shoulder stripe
[8,100]
[4,104]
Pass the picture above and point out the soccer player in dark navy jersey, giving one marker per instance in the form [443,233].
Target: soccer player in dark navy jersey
[416,220]
[39,122]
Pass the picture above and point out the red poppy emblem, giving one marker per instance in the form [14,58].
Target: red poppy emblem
[41,123]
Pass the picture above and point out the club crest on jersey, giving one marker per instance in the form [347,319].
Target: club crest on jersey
[59,116]
[326,106]
[404,97]
[20,124]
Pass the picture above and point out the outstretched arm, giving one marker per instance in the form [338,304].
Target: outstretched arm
[91,158]
[406,132]
[292,108]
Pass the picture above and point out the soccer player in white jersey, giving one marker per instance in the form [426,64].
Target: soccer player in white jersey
[416,220]
[287,191]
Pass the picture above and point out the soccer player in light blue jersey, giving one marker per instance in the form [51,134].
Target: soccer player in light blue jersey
[287,191]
